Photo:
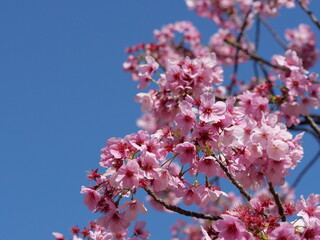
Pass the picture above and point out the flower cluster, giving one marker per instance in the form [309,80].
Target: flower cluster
[97,232]
[195,132]
[303,41]
[249,221]
[226,13]
[301,91]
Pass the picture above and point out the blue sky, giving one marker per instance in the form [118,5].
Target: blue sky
[63,94]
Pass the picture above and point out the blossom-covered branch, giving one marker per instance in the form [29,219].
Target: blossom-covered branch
[278,202]
[197,130]
[234,181]
[180,210]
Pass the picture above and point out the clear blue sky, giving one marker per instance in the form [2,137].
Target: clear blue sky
[63,94]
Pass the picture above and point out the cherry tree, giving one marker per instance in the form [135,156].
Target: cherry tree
[199,127]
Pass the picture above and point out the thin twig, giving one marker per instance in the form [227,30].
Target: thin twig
[244,24]
[312,123]
[257,41]
[273,33]
[234,181]
[180,210]
[278,202]
[311,15]
[255,57]
[305,170]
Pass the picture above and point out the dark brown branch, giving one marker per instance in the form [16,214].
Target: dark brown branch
[180,210]
[273,33]
[315,117]
[312,123]
[278,202]
[233,180]
[305,170]
[311,15]
[254,56]
[304,122]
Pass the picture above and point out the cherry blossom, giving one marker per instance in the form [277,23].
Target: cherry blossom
[91,199]
[209,110]
[199,127]
[308,209]
[230,227]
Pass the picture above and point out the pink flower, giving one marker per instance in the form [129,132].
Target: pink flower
[244,130]
[277,149]
[146,100]
[291,112]
[76,238]
[190,195]
[100,235]
[262,135]
[290,60]
[139,232]
[209,110]
[147,122]
[230,227]
[211,194]
[58,236]
[208,166]
[187,152]
[308,209]
[312,232]
[297,83]
[308,102]
[303,41]
[150,165]
[138,140]
[146,71]
[284,232]
[91,198]
[204,232]
[114,221]
[133,208]
[128,175]
[131,66]
[161,182]
[118,148]
[255,151]
[120,235]
[186,119]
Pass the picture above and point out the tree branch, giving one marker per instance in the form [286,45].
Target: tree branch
[273,33]
[244,24]
[254,56]
[305,170]
[312,123]
[278,202]
[234,181]
[311,15]
[180,210]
